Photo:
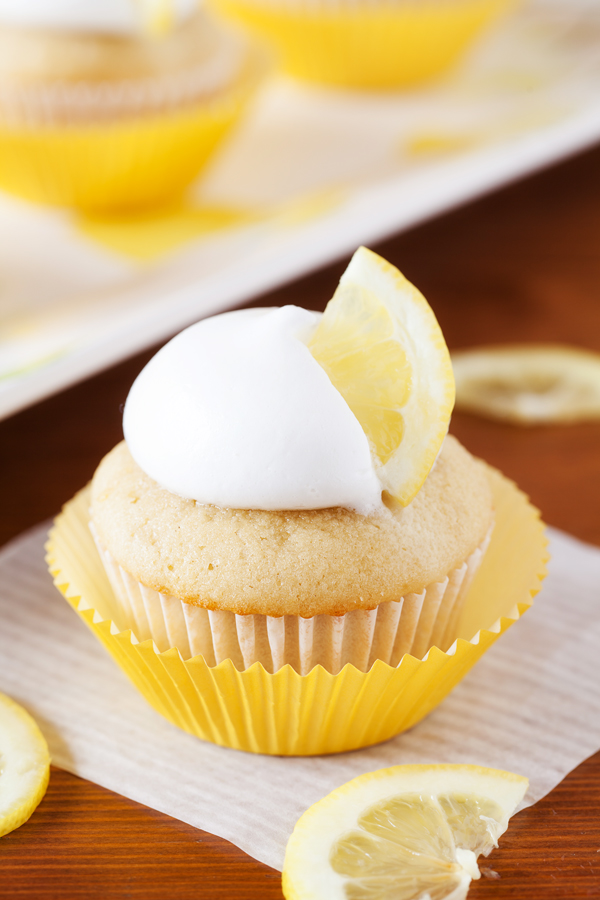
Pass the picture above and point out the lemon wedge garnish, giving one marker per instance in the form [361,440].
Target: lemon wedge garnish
[405,833]
[529,384]
[24,765]
[383,350]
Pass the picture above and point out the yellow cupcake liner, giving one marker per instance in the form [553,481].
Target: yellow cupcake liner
[129,162]
[364,44]
[290,714]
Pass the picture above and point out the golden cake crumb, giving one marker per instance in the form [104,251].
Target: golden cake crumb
[296,562]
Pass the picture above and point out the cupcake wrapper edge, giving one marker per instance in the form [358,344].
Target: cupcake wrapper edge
[290,714]
[411,624]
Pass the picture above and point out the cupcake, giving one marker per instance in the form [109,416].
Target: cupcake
[97,113]
[281,552]
[366,43]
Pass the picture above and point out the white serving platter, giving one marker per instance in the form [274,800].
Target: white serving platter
[309,176]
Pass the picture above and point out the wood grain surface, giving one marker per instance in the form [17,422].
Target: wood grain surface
[520,265]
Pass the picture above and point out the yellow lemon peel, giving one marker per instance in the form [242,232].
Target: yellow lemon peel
[24,765]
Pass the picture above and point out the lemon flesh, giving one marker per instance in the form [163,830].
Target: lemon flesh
[383,350]
[529,385]
[405,833]
[24,765]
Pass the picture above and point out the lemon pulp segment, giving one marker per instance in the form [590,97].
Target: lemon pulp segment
[410,842]
[24,765]
[529,384]
[382,348]
[405,833]
[356,347]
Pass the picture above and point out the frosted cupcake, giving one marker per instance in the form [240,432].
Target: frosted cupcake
[98,113]
[288,525]
[366,43]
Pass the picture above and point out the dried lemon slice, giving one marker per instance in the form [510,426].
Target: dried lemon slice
[24,765]
[405,833]
[382,348]
[529,384]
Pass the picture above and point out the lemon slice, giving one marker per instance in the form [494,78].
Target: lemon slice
[24,765]
[529,385]
[383,350]
[405,833]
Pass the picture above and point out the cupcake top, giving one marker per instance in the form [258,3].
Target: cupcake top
[235,411]
[195,56]
[290,562]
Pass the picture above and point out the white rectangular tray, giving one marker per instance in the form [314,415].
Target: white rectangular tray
[309,176]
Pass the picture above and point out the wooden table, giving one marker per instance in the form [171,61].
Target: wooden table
[520,265]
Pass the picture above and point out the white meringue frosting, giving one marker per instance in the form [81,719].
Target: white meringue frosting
[119,17]
[236,412]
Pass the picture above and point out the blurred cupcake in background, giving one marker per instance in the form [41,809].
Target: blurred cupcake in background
[376,44]
[108,104]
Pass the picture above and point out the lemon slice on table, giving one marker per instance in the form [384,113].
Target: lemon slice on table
[529,384]
[405,833]
[383,350]
[24,765]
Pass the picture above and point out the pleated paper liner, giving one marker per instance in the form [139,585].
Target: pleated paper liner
[365,43]
[410,624]
[290,714]
[126,161]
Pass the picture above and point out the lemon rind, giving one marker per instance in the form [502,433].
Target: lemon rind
[415,326]
[22,739]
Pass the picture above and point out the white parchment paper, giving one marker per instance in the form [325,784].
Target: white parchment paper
[531,705]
